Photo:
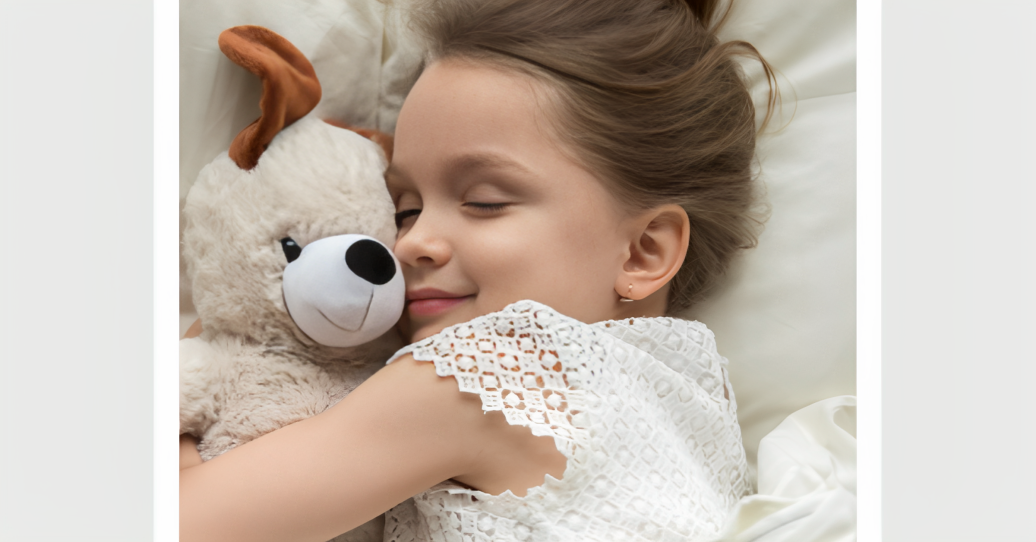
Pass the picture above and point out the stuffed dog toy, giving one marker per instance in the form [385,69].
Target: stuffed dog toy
[286,242]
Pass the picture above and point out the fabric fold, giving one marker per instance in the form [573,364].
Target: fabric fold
[807,480]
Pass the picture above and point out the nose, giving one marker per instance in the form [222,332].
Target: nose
[422,244]
[371,261]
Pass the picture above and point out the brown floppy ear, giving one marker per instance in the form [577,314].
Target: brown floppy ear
[290,86]
[384,140]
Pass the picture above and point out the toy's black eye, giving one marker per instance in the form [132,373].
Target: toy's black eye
[291,249]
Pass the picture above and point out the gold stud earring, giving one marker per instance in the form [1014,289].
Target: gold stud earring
[626,298]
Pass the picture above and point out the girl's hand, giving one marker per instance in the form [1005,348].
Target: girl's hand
[194,330]
[189,456]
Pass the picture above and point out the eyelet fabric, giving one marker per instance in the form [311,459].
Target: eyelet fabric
[638,407]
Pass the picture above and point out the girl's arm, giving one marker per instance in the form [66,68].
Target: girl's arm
[399,433]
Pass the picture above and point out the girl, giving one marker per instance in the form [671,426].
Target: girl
[566,173]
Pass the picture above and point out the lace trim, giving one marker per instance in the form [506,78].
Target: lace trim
[528,362]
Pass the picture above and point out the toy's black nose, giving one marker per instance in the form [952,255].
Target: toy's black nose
[371,261]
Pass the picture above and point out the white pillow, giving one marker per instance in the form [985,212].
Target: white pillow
[786,315]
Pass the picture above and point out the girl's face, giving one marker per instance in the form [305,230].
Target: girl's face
[491,211]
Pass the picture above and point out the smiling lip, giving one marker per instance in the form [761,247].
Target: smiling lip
[429,301]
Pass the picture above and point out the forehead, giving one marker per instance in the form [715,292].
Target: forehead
[465,113]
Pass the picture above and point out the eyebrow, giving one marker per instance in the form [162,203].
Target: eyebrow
[464,163]
[393,173]
[483,160]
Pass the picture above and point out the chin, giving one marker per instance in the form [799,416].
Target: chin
[416,331]
[426,327]
[423,331]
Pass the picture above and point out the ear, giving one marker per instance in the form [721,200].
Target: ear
[383,140]
[290,86]
[656,252]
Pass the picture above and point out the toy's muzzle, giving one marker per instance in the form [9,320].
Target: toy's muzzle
[344,290]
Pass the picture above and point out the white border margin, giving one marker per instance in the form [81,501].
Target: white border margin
[868,269]
[167,281]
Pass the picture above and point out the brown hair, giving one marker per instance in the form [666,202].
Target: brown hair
[645,94]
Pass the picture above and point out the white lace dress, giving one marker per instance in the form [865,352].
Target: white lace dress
[637,406]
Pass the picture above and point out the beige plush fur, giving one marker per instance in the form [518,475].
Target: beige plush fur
[253,370]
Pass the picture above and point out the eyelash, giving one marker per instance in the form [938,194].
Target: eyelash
[478,206]
[486,207]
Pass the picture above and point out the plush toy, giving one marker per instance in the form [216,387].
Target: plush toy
[286,248]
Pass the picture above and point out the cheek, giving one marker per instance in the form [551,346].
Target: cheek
[499,251]
[587,250]
[544,256]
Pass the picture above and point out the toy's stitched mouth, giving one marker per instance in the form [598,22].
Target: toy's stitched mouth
[365,312]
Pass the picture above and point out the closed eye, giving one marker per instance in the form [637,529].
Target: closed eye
[403,215]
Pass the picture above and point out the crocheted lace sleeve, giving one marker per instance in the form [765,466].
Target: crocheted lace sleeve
[526,361]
